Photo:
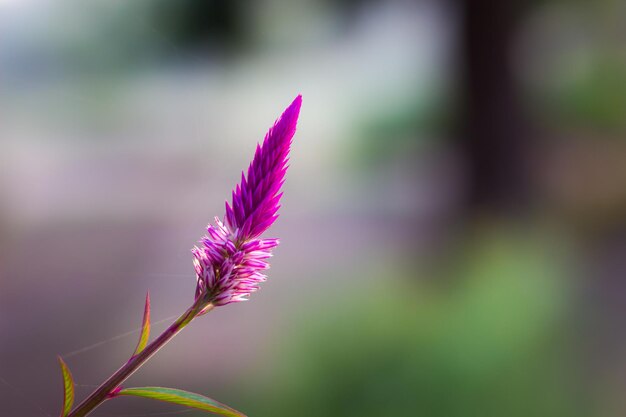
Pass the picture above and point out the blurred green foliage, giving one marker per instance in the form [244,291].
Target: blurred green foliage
[596,98]
[495,344]
[197,24]
[400,128]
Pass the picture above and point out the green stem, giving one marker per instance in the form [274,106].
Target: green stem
[106,390]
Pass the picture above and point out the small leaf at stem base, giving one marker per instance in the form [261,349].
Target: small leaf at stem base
[68,389]
[145,328]
[177,396]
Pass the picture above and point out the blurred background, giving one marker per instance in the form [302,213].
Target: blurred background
[453,227]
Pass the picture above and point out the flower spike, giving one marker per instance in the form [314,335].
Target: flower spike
[232,256]
[229,262]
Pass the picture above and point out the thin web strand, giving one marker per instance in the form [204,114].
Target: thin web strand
[85,385]
[112,339]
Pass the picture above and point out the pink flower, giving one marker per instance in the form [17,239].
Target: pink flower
[230,262]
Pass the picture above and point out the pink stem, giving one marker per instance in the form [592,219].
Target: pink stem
[108,388]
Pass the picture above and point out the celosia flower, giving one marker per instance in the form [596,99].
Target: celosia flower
[229,266]
[230,262]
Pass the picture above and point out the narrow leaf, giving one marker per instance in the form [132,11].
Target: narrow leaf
[145,327]
[188,399]
[68,388]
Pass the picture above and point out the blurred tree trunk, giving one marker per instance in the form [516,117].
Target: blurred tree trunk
[494,132]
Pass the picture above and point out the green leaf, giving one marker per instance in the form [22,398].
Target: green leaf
[145,327]
[177,396]
[68,388]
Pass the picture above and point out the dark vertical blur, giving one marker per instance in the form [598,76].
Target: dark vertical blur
[494,133]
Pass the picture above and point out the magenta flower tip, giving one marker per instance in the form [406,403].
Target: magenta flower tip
[231,257]
[255,200]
